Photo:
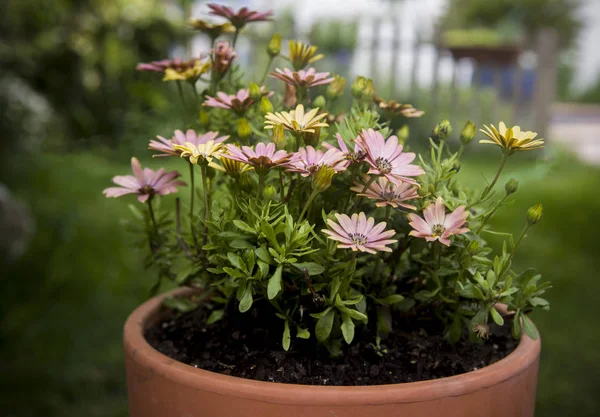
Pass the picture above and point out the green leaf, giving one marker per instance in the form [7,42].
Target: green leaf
[215,316]
[180,304]
[241,244]
[321,314]
[357,315]
[324,326]
[347,328]
[269,233]
[236,261]
[496,317]
[392,299]
[244,226]
[516,329]
[264,255]
[263,269]
[313,268]
[302,333]
[491,278]
[137,213]
[274,285]
[286,336]
[246,301]
[529,327]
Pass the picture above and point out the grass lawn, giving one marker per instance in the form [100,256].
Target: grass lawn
[63,305]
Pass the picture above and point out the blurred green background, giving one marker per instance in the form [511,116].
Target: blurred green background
[73,111]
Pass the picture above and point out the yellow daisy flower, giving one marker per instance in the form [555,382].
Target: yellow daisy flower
[511,139]
[186,73]
[204,152]
[302,54]
[296,121]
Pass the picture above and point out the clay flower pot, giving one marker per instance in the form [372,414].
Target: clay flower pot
[160,387]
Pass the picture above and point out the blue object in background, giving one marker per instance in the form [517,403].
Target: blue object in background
[507,75]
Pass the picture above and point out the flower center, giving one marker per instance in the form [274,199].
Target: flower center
[383,165]
[146,189]
[358,238]
[437,230]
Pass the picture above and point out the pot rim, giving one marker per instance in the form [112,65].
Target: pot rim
[140,351]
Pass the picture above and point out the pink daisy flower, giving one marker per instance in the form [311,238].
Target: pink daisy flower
[166,146]
[162,65]
[308,78]
[351,157]
[437,225]
[239,102]
[308,161]
[146,183]
[387,193]
[241,17]
[386,157]
[359,233]
[262,158]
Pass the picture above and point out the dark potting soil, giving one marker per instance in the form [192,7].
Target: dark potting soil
[249,346]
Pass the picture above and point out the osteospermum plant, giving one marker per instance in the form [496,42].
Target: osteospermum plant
[313,211]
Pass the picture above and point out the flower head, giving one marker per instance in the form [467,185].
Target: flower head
[167,146]
[386,157]
[222,56]
[511,139]
[359,233]
[336,88]
[239,102]
[437,225]
[240,18]
[393,107]
[204,152]
[296,120]
[213,30]
[302,54]
[177,69]
[308,161]
[232,167]
[301,78]
[145,182]
[262,158]
[387,193]
[351,156]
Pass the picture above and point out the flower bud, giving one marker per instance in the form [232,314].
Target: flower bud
[358,86]
[204,119]
[278,136]
[473,247]
[244,130]
[511,186]
[255,93]
[369,90]
[468,133]
[319,102]
[336,88]
[442,130]
[534,214]
[269,192]
[312,139]
[274,46]
[322,178]
[403,134]
[265,106]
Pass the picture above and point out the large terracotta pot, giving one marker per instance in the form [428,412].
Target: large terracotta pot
[162,387]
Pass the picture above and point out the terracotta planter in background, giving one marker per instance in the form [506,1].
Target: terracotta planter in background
[162,387]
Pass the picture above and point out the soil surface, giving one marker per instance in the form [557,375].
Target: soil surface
[249,346]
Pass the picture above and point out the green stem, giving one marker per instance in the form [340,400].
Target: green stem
[489,188]
[523,233]
[437,253]
[192,189]
[364,190]
[261,185]
[440,149]
[182,97]
[308,203]
[235,37]
[281,186]
[207,215]
[489,216]
[264,77]
[387,213]
[154,224]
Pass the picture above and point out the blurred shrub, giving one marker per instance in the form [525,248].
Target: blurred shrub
[333,35]
[73,62]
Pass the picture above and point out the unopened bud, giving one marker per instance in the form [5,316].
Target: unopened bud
[265,106]
[468,133]
[358,86]
[319,102]
[269,192]
[244,130]
[255,93]
[403,134]
[369,90]
[204,119]
[473,247]
[442,130]
[336,88]
[322,178]
[312,138]
[534,214]
[511,186]
[274,46]
[278,136]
